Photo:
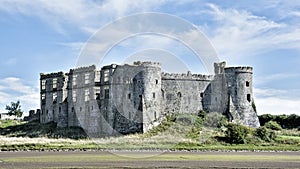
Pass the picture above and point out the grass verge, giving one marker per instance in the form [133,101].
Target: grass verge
[170,135]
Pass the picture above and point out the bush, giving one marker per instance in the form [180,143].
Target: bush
[215,120]
[236,133]
[189,119]
[273,125]
[265,134]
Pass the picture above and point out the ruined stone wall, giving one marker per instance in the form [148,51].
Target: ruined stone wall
[183,93]
[83,108]
[135,92]
[53,96]
[216,93]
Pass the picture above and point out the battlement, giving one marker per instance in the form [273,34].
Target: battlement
[112,66]
[139,63]
[83,69]
[240,69]
[186,76]
[52,75]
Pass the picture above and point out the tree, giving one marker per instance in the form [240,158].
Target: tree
[14,109]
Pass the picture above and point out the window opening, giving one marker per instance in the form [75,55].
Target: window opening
[106,75]
[43,84]
[43,97]
[87,78]
[249,97]
[247,84]
[54,83]
[74,81]
[74,95]
[54,96]
[87,95]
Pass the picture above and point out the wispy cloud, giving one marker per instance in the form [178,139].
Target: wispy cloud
[277,101]
[13,89]
[276,77]
[240,33]
[85,15]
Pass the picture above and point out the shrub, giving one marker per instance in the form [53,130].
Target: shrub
[215,120]
[236,133]
[273,125]
[265,134]
[190,119]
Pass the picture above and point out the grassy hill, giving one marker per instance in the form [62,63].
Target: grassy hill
[181,132]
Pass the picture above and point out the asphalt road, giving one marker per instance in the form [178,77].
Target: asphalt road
[146,159]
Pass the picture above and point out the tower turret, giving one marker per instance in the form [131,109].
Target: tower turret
[240,96]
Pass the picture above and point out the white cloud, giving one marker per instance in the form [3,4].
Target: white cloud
[76,46]
[85,15]
[13,89]
[277,101]
[277,106]
[239,33]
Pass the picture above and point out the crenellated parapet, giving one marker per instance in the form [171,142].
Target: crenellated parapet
[240,69]
[83,69]
[186,76]
[52,75]
[139,63]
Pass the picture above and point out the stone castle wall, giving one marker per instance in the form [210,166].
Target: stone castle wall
[122,99]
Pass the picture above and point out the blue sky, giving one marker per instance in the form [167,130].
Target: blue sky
[45,36]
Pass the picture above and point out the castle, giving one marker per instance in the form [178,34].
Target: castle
[132,98]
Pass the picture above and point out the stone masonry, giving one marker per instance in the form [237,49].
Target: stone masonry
[123,99]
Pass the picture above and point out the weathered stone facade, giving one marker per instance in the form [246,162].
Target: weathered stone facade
[122,99]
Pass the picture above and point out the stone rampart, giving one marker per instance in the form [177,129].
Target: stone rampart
[186,76]
[241,69]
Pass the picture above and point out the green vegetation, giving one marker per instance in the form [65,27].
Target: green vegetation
[7,123]
[34,129]
[273,125]
[265,134]
[236,133]
[14,109]
[285,121]
[205,131]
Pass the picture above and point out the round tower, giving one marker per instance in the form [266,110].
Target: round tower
[152,96]
[240,96]
[239,82]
